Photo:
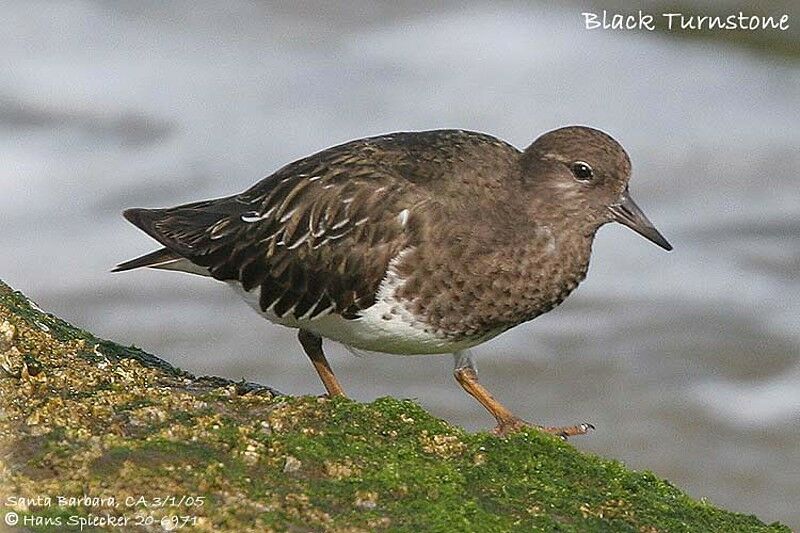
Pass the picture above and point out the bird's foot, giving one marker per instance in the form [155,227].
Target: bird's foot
[513,425]
[329,396]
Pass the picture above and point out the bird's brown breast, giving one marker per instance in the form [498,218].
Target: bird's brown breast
[472,282]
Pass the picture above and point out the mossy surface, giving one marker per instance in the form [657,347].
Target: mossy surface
[81,416]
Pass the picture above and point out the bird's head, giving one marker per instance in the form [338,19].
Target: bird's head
[585,172]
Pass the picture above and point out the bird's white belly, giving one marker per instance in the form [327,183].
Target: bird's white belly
[388,326]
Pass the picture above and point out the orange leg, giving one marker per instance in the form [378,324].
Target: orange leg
[312,344]
[507,423]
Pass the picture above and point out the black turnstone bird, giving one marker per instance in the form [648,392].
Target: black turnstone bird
[409,243]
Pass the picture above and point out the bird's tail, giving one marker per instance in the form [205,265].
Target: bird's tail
[153,260]
[190,234]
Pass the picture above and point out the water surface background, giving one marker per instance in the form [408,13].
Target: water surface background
[688,363]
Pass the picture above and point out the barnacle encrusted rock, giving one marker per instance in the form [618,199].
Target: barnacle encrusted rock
[95,432]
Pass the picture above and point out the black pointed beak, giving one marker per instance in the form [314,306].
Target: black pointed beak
[628,213]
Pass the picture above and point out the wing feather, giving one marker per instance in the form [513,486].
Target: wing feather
[316,236]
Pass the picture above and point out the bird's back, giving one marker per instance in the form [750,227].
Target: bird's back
[317,236]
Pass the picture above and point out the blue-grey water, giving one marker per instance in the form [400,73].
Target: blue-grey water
[688,363]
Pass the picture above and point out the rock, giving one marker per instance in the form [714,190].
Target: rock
[119,432]
[291,465]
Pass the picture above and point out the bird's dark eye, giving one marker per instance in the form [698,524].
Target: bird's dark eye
[582,171]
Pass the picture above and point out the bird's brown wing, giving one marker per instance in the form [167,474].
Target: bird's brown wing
[316,237]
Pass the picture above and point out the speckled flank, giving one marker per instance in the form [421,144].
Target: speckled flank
[388,326]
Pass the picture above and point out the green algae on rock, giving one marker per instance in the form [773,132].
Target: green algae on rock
[90,430]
